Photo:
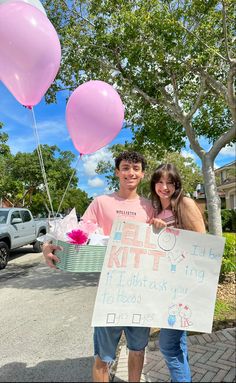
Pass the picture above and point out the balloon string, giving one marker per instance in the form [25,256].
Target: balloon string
[38,147]
[72,175]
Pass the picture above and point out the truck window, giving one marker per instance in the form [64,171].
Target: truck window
[25,216]
[15,214]
[3,216]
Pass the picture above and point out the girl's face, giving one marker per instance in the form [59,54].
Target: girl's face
[165,188]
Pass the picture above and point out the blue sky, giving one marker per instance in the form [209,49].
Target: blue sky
[52,130]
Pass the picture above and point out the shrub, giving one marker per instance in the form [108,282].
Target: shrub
[228,220]
[228,217]
[229,257]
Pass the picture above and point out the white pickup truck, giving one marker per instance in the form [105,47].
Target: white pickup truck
[19,228]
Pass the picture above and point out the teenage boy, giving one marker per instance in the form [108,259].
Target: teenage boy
[127,205]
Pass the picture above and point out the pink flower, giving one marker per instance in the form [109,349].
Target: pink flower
[77,237]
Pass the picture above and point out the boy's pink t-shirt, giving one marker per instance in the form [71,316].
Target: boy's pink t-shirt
[106,208]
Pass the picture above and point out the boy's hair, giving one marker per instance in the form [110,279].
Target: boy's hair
[132,157]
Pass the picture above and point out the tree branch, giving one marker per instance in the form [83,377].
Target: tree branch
[192,138]
[222,141]
[176,92]
[78,13]
[217,86]
[231,89]
[195,36]
[175,110]
[199,99]
[225,31]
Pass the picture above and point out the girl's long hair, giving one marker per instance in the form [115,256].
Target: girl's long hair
[171,172]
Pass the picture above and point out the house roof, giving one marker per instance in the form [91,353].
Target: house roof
[226,166]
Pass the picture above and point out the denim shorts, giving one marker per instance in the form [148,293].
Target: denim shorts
[106,340]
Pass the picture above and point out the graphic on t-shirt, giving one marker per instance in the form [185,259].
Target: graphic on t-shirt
[125,213]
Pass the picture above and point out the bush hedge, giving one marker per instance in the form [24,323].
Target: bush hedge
[229,256]
[228,220]
[228,217]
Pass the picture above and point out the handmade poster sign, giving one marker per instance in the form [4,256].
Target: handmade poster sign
[158,278]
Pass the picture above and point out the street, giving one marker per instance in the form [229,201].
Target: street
[45,333]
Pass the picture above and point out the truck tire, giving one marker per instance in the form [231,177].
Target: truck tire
[37,246]
[4,255]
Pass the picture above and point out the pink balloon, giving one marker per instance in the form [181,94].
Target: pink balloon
[94,116]
[30,51]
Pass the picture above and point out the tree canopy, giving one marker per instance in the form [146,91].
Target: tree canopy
[22,180]
[173,63]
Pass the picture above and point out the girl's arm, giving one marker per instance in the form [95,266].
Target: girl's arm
[191,216]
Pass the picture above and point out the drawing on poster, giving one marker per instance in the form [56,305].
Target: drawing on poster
[166,278]
[111,318]
[167,239]
[118,232]
[136,318]
[179,314]
[175,257]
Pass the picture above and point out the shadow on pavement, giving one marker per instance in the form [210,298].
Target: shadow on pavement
[16,253]
[37,275]
[68,370]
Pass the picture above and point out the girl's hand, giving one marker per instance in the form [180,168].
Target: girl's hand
[158,223]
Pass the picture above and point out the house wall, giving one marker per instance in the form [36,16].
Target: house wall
[230,197]
[5,203]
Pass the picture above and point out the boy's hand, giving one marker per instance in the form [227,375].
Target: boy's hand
[49,256]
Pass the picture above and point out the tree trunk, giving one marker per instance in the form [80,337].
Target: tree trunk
[213,200]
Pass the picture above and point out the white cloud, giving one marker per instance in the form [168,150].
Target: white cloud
[49,127]
[108,191]
[96,182]
[186,153]
[25,140]
[228,150]
[25,144]
[91,162]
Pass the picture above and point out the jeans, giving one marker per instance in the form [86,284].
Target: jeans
[173,345]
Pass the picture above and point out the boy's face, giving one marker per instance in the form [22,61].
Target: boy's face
[129,174]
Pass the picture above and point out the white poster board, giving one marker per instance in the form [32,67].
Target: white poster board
[166,278]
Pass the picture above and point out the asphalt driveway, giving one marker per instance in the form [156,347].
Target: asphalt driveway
[46,314]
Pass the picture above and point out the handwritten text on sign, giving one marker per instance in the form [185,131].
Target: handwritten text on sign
[165,278]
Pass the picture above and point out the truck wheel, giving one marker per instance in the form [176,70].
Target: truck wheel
[4,255]
[37,246]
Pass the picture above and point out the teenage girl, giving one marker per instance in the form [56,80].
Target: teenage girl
[172,208]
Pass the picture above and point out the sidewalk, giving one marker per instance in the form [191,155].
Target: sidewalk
[212,359]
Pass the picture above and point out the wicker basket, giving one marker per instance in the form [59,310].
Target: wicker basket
[80,258]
